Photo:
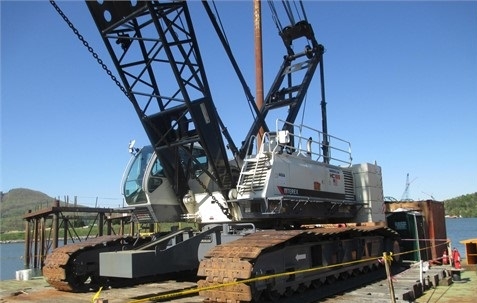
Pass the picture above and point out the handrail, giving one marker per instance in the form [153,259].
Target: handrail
[308,142]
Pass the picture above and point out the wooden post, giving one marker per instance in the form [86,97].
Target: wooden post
[109,226]
[101,224]
[35,244]
[65,230]
[55,226]
[54,230]
[121,228]
[42,242]
[26,255]
[387,260]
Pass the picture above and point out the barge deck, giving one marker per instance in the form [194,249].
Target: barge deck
[438,287]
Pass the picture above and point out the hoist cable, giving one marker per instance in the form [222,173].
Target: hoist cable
[303,10]
[303,111]
[220,23]
[273,10]
[289,12]
[297,11]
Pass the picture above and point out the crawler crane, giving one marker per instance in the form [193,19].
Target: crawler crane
[252,206]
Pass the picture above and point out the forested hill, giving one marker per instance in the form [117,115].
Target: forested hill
[15,204]
[465,206]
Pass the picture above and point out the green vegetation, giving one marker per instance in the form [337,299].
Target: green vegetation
[16,203]
[465,206]
[12,236]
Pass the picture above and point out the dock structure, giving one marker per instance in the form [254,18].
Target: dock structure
[44,227]
[408,285]
[470,251]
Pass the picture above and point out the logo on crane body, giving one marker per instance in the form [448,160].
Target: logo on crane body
[317,192]
[291,191]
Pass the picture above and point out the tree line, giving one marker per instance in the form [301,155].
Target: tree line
[463,206]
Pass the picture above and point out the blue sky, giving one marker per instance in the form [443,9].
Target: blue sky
[401,86]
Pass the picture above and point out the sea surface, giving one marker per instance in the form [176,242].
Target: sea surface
[11,254]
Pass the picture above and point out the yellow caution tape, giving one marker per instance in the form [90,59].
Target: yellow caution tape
[96,295]
[388,257]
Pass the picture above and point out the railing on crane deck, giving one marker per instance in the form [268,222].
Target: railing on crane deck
[306,141]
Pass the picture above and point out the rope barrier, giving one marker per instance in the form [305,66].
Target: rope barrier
[389,257]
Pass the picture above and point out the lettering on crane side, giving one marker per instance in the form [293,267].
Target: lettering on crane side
[291,191]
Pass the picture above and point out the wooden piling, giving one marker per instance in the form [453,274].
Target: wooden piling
[26,254]
[35,243]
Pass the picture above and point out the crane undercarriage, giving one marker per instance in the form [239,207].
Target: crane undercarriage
[261,265]
[311,257]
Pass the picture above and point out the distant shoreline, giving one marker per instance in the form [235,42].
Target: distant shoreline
[11,241]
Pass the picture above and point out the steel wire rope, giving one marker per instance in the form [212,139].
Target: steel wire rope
[222,28]
[288,11]
[275,18]
[297,11]
[303,11]
[303,114]
[220,22]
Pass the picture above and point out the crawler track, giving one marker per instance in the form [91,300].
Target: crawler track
[272,252]
[75,267]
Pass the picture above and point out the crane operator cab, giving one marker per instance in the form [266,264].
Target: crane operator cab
[150,195]
[147,190]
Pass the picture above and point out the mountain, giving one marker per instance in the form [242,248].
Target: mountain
[16,203]
[462,206]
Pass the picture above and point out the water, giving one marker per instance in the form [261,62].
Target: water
[11,259]
[11,254]
[461,229]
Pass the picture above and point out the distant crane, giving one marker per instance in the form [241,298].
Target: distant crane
[406,194]
[432,197]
